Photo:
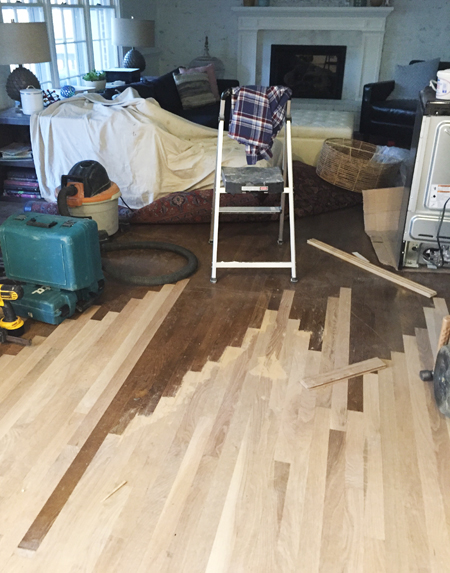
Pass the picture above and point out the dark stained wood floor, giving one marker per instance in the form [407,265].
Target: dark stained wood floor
[207,318]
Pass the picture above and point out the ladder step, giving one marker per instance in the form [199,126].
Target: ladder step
[245,265]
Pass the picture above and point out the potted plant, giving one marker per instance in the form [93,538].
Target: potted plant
[95,79]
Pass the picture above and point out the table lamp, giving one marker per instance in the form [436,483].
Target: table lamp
[23,43]
[131,32]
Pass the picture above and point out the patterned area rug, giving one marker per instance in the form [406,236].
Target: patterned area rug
[312,196]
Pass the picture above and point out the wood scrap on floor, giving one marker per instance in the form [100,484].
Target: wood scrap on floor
[357,369]
[388,275]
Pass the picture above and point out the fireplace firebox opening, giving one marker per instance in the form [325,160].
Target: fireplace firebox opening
[315,72]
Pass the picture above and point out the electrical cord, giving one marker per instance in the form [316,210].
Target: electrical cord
[126,205]
[438,238]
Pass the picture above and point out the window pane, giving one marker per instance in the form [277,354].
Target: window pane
[105,54]
[22,14]
[65,2]
[100,2]
[22,2]
[71,48]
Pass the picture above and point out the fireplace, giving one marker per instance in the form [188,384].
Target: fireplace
[313,72]
[361,30]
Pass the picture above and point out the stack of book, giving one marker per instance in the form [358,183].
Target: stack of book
[21,182]
[16,150]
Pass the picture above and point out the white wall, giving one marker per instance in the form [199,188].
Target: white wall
[416,29]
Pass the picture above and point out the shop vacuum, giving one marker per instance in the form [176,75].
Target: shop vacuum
[57,258]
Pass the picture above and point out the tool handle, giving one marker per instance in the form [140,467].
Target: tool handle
[444,336]
[8,312]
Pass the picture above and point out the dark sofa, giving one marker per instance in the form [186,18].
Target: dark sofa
[164,90]
[389,119]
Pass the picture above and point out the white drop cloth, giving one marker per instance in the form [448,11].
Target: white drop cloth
[147,151]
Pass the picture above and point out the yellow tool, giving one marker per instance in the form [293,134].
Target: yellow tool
[10,321]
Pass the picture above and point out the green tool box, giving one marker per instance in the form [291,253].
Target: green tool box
[58,259]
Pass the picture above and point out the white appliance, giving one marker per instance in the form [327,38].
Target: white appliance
[426,235]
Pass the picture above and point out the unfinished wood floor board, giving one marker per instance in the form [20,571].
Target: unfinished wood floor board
[328,349]
[339,391]
[38,466]
[388,275]
[143,523]
[60,494]
[290,525]
[212,524]
[437,527]
[334,541]
[156,551]
[131,320]
[312,518]
[144,467]
[375,557]
[206,397]
[253,545]
[409,473]
[39,384]
[424,349]
[433,319]
[287,443]
[34,357]
[374,493]
[260,440]
[398,550]
[234,369]
[354,491]
[45,421]
[105,471]
[126,357]
[42,427]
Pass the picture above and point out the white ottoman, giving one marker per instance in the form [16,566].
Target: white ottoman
[310,128]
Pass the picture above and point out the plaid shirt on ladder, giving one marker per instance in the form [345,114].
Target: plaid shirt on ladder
[257,116]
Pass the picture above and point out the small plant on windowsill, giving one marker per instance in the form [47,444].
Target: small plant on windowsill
[95,79]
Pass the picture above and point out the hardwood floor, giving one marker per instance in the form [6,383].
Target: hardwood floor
[167,430]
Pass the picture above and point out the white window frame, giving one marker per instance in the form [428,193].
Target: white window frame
[46,6]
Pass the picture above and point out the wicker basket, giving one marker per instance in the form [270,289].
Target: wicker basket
[346,163]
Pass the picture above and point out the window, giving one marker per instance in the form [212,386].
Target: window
[80,31]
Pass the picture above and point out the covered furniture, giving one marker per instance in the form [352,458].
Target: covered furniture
[164,90]
[388,108]
[147,151]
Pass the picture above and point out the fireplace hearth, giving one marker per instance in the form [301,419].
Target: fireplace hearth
[312,72]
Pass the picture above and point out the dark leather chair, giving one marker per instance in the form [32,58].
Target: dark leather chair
[389,120]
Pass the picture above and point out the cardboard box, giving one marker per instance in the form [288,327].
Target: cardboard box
[382,216]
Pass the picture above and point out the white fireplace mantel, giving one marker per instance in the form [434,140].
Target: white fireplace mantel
[363,29]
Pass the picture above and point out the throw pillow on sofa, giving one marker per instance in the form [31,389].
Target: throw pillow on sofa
[209,71]
[194,90]
[411,79]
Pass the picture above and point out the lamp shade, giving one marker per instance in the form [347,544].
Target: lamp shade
[24,43]
[131,32]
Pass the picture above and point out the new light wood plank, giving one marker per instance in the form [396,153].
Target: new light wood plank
[397,547]
[405,283]
[323,395]
[339,392]
[310,531]
[357,369]
[436,523]
[334,540]
[374,494]
[411,494]
[354,491]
